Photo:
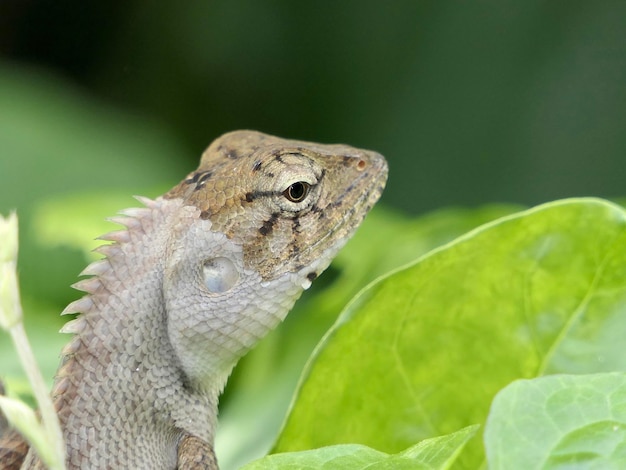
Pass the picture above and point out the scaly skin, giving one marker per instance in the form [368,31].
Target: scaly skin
[194,281]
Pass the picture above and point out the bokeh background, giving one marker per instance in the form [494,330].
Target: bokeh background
[471,102]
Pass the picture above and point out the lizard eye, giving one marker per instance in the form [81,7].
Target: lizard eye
[297,192]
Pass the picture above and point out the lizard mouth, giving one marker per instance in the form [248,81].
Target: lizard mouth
[374,170]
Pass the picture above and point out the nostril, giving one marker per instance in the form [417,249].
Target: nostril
[361,165]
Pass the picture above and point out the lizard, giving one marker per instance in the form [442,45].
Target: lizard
[193,281]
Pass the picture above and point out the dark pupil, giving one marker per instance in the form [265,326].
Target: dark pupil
[297,191]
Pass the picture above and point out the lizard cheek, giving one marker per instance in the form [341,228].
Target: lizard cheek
[220,275]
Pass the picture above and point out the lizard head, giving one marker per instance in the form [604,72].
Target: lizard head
[287,203]
[253,226]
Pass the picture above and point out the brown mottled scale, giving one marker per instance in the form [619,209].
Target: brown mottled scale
[194,280]
[13,449]
[241,173]
[195,454]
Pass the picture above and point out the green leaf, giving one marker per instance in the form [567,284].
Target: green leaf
[259,392]
[10,308]
[423,351]
[387,240]
[430,454]
[561,421]
[8,238]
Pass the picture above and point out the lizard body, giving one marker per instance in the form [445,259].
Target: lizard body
[195,279]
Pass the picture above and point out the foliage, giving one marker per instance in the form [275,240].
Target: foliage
[438,452]
[437,344]
[565,421]
[421,352]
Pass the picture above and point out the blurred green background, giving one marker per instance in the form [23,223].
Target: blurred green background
[471,103]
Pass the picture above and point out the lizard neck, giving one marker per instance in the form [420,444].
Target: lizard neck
[218,306]
[121,365]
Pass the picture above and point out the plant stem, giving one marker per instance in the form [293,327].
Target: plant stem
[49,417]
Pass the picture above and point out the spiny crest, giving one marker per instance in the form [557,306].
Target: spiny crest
[133,219]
